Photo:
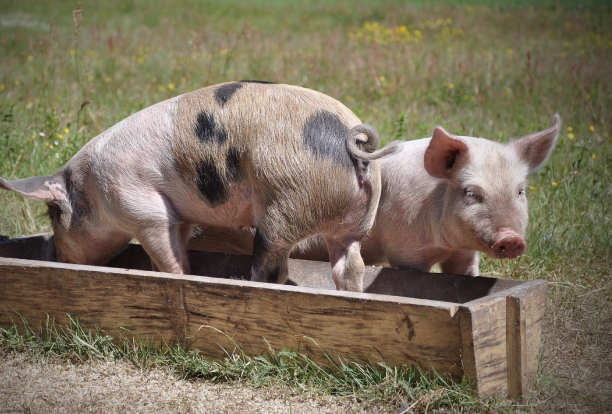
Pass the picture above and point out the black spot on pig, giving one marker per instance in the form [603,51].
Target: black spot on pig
[207,131]
[258,81]
[224,92]
[232,163]
[210,183]
[325,135]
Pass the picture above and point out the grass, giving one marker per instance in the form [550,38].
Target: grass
[371,383]
[478,68]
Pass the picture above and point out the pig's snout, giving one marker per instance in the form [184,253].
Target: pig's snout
[509,245]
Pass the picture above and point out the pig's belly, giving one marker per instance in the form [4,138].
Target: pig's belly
[240,210]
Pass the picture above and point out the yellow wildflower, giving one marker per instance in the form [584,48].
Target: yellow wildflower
[555,184]
[66,130]
[591,128]
[30,58]
[570,135]
[570,129]
[594,156]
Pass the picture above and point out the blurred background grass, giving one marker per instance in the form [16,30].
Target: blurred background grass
[481,68]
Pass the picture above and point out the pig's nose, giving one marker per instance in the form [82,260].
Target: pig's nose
[509,245]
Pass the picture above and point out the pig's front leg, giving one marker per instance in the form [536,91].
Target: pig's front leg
[461,263]
[185,231]
[347,265]
[165,245]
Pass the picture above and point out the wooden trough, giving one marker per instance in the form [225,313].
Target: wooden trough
[485,329]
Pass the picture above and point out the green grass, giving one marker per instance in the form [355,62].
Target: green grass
[477,68]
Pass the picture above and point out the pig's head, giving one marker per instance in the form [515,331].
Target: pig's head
[485,205]
[78,236]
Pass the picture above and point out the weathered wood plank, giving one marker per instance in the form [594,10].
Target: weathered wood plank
[525,306]
[400,333]
[525,312]
[357,326]
[483,338]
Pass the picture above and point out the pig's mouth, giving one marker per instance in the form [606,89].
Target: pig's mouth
[508,245]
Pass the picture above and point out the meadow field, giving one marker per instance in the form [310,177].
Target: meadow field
[480,67]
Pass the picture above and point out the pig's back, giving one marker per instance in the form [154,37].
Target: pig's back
[278,138]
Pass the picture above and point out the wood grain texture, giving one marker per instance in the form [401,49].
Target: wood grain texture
[525,312]
[483,338]
[525,306]
[358,326]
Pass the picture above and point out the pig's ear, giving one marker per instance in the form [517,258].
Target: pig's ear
[442,152]
[534,149]
[46,188]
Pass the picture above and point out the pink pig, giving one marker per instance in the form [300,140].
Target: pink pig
[448,197]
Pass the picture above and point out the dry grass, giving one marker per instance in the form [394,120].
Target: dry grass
[576,368]
[116,387]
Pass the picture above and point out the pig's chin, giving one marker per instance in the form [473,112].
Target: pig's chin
[511,255]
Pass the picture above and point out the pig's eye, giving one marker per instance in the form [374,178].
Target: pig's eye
[471,196]
[521,192]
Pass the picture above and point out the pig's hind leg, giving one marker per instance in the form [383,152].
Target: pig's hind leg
[347,265]
[270,256]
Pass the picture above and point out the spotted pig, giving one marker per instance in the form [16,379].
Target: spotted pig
[288,161]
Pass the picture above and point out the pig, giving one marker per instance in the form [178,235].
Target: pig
[287,161]
[444,200]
